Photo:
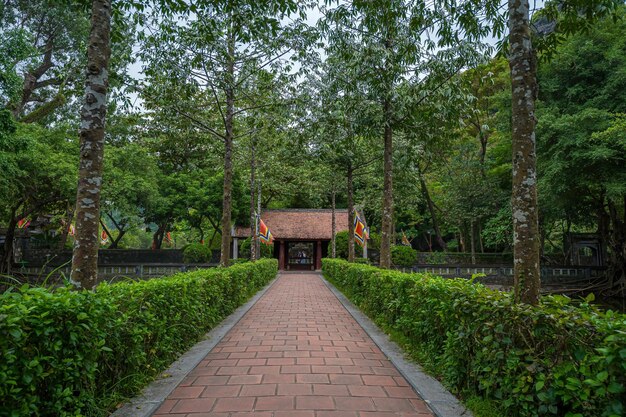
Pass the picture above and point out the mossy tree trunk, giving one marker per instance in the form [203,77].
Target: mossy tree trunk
[526,238]
[86,240]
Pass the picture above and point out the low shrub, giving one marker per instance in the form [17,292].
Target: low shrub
[403,255]
[69,353]
[197,253]
[554,359]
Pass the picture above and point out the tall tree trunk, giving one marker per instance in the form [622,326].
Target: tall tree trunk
[228,150]
[479,234]
[387,216]
[431,209]
[333,241]
[472,241]
[350,214]
[157,237]
[523,64]
[617,244]
[258,209]
[85,258]
[462,245]
[253,235]
[69,216]
[7,256]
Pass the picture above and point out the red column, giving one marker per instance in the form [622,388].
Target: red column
[281,255]
[318,255]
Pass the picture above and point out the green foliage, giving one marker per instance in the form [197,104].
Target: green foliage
[267,251]
[403,255]
[554,359]
[341,242]
[69,353]
[197,253]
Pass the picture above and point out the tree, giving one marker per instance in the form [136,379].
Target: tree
[85,258]
[129,187]
[581,113]
[550,24]
[384,44]
[42,39]
[38,167]
[208,62]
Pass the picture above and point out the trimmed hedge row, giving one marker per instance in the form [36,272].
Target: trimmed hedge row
[69,353]
[555,359]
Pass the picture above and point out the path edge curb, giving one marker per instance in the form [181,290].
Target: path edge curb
[152,396]
[438,398]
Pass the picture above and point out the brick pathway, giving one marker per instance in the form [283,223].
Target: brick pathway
[296,353]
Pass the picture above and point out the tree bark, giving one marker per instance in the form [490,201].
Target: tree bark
[479,235]
[228,151]
[617,243]
[258,209]
[253,235]
[85,258]
[69,216]
[157,237]
[333,241]
[32,76]
[431,209]
[473,241]
[522,61]
[350,214]
[387,216]
[7,256]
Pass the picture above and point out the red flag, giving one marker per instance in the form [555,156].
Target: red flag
[361,234]
[23,223]
[265,234]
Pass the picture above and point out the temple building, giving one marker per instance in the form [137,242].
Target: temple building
[301,236]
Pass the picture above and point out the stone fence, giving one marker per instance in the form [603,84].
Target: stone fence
[503,275]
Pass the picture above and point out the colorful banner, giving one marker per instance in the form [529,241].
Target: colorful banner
[104,238]
[265,234]
[23,223]
[361,234]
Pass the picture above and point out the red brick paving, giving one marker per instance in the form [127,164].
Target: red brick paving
[296,353]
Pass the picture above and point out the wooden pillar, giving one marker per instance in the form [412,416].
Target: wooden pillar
[318,255]
[281,255]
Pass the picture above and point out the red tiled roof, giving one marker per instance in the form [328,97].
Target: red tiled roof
[301,224]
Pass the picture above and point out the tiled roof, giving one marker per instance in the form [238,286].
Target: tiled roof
[302,224]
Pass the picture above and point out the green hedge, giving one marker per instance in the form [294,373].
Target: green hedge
[403,256]
[197,253]
[555,359]
[68,353]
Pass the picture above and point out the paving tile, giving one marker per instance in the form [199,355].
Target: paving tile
[194,405]
[315,402]
[366,391]
[296,353]
[276,403]
[234,404]
[219,391]
[329,389]
[186,392]
[354,403]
